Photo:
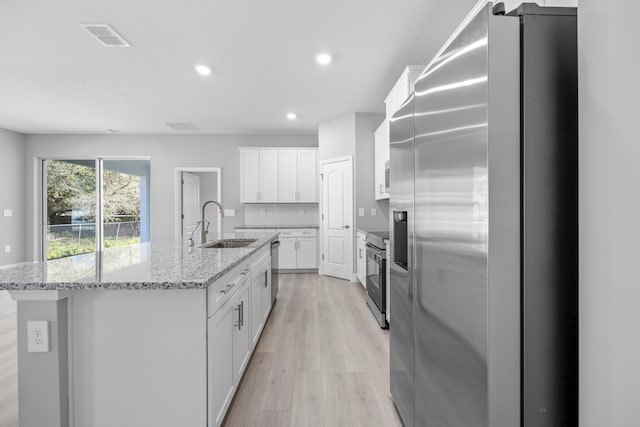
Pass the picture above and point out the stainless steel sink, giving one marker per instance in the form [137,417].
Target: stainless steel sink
[227,244]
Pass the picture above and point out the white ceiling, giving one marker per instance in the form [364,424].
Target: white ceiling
[56,78]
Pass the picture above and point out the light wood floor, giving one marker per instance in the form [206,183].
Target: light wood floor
[8,362]
[322,360]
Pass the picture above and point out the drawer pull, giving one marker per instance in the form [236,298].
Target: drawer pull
[227,288]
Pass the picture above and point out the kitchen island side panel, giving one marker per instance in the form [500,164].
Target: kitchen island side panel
[139,358]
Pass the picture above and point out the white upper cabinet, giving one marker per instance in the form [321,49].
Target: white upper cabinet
[259,175]
[268,175]
[250,176]
[398,95]
[402,89]
[307,176]
[381,157]
[286,175]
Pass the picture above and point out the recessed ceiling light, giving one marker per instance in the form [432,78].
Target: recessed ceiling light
[291,116]
[203,70]
[323,58]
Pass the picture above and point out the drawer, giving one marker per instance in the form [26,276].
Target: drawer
[222,289]
[259,256]
[362,237]
[297,232]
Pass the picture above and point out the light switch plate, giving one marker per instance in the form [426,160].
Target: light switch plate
[8,212]
[229,212]
[7,249]
[373,211]
[360,211]
[38,336]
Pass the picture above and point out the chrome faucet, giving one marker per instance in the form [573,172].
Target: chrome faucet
[203,229]
[193,232]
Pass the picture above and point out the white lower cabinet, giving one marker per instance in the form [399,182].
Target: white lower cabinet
[307,253]
[298,249]
[260,299]
[287,257]
[234,327]
[220,371]
[265,303]
[241,332]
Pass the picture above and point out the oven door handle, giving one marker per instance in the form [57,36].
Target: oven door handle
[378,254]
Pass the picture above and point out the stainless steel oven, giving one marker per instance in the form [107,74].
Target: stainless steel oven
[376,278]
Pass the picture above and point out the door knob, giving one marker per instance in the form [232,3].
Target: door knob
[345,226]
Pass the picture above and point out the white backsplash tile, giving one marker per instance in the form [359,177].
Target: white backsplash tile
[275,214]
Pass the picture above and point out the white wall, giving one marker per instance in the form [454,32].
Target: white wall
[166,153]
[11,196]
[366,124]
[353,135]
[609,121]
[209,191]
[337,137]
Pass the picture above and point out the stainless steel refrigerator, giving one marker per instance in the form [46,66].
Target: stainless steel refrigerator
[484,228]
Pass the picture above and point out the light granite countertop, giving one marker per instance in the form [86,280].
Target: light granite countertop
[155,265]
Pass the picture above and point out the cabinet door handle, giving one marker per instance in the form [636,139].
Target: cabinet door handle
[266,280]
[227,288]
[241,314]
[239,324]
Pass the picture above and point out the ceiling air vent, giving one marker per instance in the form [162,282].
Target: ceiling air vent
[106,35]
[182,126]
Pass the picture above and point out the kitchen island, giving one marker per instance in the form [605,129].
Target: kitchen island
[154,334]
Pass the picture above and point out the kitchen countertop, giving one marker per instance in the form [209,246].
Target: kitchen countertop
[249,227]
[384,234]
[154,265]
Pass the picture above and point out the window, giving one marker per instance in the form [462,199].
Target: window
[92,204]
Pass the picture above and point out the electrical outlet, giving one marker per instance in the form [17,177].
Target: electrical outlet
[229,212]
[8,212]
[7,249]
[373,211]
[38,336]
[360,211]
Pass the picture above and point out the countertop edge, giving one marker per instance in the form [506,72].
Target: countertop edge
[137,285]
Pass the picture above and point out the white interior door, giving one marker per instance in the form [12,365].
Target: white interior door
[337,219]
[190,202]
